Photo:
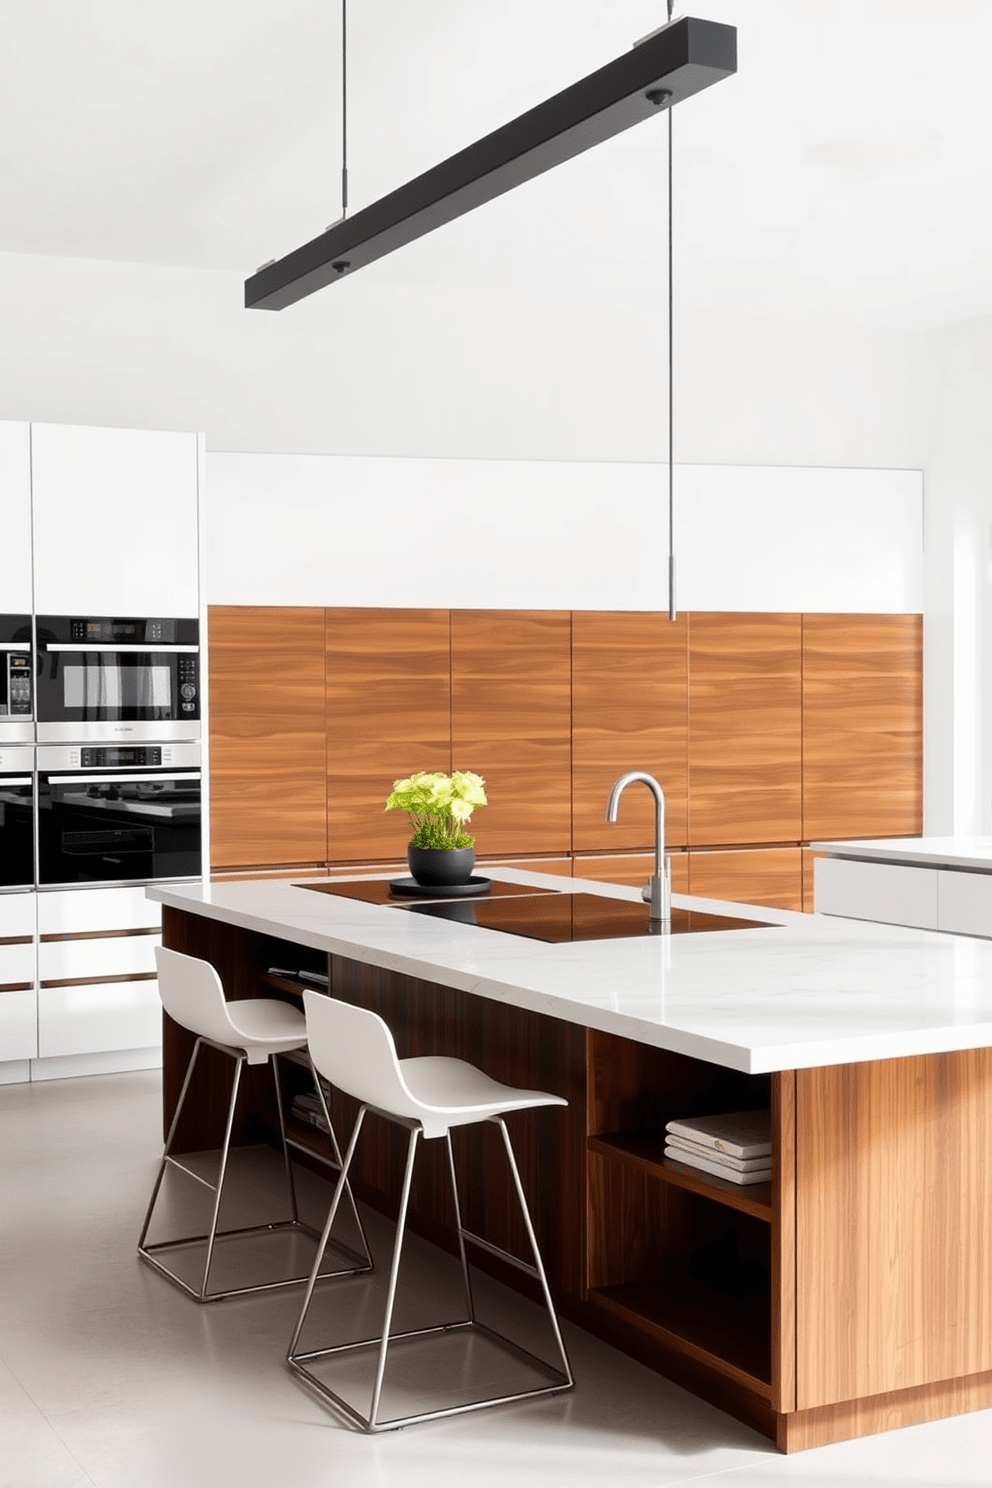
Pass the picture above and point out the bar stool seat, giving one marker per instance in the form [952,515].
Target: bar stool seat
[354,1049]
[253,1031]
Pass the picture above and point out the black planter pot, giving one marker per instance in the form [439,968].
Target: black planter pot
[437,867]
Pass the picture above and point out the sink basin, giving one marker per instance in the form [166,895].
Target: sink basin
[556,917]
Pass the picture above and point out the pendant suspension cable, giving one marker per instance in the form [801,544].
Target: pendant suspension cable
[344,108]
[671,380]
[671,390]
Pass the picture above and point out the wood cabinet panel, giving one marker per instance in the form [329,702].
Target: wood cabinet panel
[893,1189]
[511,722]
[632,868]
[629,690]
[862,726]
[757,875]
[745,728]
[388,714]
[267,749]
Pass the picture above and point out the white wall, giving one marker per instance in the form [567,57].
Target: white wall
[370,367]
[958,633]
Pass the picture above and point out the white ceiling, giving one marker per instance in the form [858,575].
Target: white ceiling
[845,171]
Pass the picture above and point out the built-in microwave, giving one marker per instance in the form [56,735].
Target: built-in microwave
[105,679]
[16,681]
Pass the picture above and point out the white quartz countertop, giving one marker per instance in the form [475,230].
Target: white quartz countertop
[805,991]
[973,854]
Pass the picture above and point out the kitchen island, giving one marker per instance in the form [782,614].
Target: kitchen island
[850,1294]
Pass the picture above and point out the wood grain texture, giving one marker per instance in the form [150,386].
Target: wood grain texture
[887,1412]
[893,1193]
[267,736]
[388,714]
[757,875]
[784,1300]
[862,726]
[745,729]
[629,699]
[631,868]
[511,723]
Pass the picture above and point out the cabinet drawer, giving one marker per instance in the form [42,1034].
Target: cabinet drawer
[17,965]
[98,1017]
[964,902]
[17,914]
[18,1025]
[82,911]
[78,960]
[886,892]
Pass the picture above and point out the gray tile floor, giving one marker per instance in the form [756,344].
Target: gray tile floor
[111,1378]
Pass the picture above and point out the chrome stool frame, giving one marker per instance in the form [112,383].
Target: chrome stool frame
[485,1102]
[150,1253]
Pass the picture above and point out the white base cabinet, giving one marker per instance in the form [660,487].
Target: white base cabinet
[958,900]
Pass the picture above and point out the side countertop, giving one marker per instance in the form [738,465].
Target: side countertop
[974,854]
[800,992]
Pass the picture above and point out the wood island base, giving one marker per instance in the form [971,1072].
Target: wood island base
[851,1295]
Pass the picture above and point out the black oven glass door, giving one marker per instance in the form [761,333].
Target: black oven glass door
[16,831]
[96,686]
[111,827]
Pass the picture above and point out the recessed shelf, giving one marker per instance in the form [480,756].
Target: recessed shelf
[646,1153]
[729,1334]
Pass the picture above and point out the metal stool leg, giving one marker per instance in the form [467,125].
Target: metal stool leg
[394,1272]
[225,1151]
[168,1146]
[325,1236]
[469,1303]
[290,1182]
[337,1158]
[538,1263]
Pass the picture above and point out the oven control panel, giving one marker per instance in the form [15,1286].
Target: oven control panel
[189,678]
[123,757]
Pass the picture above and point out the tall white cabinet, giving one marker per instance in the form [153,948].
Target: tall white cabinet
[115,521]
[16,595]
[94,522]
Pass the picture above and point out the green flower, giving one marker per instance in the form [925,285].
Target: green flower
[438,805]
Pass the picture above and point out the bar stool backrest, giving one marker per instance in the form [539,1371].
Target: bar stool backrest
[353,1049]
[193,995]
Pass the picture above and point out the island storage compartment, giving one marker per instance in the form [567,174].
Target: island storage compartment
[681,1265]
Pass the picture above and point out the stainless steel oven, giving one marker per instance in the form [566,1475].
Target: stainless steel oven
[118,814]
[16,680]
[16,817]
[102,678]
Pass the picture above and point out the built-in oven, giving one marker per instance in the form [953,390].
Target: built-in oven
[16,817]
[118,814]
[16,680]
[102,678]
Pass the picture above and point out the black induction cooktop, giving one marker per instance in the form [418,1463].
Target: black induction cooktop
[556,917]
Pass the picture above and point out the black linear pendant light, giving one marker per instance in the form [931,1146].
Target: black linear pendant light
[681,59]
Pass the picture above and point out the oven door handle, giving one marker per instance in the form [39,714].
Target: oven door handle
[150,648]
[24,646]
[193,775]
[8,780]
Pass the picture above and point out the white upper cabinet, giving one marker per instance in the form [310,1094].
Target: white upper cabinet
[115,521]
[15,506]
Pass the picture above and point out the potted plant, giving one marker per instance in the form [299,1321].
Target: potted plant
[439,806]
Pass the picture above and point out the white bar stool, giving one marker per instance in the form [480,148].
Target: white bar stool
[354,1049]
[252,1031]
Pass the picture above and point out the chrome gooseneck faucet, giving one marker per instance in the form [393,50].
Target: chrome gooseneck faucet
[657,892]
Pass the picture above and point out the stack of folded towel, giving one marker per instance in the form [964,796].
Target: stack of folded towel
[736,1146]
